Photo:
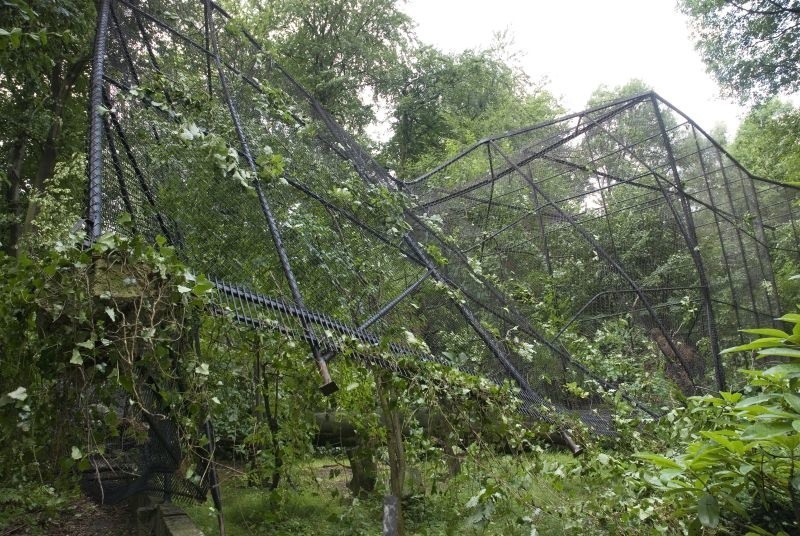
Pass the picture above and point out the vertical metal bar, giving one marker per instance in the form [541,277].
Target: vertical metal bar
[694,250]
[684,230]
[96,123]
[491,198]
[721,151]
[474,323]
[764,258]
[207,45]
[328,385]
[146,39]
[129,60]
[723,249]
[151,200]
[232,301]
[607,216]
[149,46]
[252,310]
[742,251]
[125,50]
[238,300]
[123,189]
[537,208]
[792,219]
[601,190]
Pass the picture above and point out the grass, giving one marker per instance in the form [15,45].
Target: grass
[316,502]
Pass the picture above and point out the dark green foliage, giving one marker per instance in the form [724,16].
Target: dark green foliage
[44,57]
[739,465]
[445,102]
[767,142]
[751,47]
[343,51]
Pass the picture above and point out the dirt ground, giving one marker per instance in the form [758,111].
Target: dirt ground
[82,518]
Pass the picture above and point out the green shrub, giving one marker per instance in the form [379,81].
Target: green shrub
[740,466]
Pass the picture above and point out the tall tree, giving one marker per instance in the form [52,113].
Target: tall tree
[445,102]
[44,59]
[768,144]
[752,47]
[768,141]
[342,50]
[604,93]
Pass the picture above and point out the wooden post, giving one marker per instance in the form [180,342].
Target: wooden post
[391,518]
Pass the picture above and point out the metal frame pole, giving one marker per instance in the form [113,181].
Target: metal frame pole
[328,386]
[694,249]
[96,123]
[723,249]
[764,256]
[602,252]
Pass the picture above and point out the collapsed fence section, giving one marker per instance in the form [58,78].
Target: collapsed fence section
[584,249]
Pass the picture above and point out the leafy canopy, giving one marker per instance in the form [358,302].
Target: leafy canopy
[752,47]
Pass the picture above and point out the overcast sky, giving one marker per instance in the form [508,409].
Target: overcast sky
[580,44]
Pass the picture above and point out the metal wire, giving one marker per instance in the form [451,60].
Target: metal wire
[525,250]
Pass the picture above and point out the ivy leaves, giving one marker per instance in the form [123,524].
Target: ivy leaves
[20,394]
[270,166]
[214,148]
[93,321]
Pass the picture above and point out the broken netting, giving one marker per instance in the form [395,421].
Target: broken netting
[623,230]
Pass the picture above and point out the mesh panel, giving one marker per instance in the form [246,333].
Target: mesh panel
[623,229]
[145,457]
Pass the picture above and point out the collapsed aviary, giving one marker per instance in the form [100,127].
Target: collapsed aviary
[439,267]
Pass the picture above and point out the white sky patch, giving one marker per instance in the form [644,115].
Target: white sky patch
[580,44]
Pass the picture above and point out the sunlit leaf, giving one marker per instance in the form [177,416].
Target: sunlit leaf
[793,401]
[781,352]
[757,344]
[658,460]
[20,393]
[708,511]
[76,358]
[766,430]
[769,332]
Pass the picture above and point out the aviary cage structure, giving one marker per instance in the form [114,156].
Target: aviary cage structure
[504,260]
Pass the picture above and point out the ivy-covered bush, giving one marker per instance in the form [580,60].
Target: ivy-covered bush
[81,329]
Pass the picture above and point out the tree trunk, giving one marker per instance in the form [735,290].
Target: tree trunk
[394,441]
[263,410]
[11,194]
[61,86]
[272,422]
[364,469]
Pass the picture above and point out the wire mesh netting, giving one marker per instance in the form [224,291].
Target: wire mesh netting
[633,214]
[617,239]
[145,456]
